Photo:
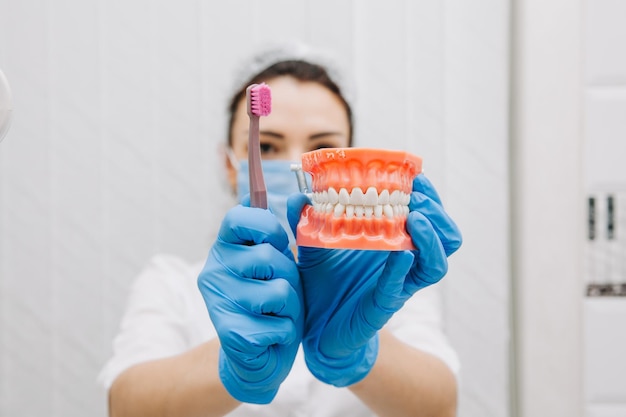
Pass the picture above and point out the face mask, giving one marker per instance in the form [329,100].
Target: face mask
[280,182]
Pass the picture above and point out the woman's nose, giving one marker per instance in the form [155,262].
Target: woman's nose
[295,154]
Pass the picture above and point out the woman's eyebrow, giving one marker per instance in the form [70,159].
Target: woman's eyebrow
[322,135]
[315,136]
[272,134]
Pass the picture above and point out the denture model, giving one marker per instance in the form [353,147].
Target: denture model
[360,198]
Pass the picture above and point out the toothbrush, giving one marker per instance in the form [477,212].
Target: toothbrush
[259,103]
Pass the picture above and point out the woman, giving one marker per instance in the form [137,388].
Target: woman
[244,357]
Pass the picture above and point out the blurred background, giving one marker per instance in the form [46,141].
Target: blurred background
[518,108]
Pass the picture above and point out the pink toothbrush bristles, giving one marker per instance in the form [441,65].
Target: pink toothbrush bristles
[259,103]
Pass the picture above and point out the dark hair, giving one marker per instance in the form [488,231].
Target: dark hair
[298,69]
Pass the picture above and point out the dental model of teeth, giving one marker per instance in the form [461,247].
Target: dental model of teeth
[360,198]
[359,204]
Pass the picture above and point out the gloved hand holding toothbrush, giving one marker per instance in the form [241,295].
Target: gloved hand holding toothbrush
[252,290]
[349,295]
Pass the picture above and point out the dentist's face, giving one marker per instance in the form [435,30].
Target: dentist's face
[305,116]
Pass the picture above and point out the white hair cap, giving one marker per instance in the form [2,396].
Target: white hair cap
[294,51]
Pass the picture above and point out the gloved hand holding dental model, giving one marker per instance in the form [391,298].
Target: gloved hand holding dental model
[251,287]
[350,295]
[268,336]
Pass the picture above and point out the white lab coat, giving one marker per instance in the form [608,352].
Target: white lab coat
[166,315]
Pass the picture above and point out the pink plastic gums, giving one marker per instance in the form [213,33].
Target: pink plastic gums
[360,198]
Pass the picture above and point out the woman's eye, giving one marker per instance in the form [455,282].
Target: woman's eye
[267,148]
[323,146]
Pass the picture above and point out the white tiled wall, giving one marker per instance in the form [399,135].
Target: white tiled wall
[605,61]
[605,174]
[113,155]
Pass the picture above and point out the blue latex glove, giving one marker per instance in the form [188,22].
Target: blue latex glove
[252,290]
[349,295]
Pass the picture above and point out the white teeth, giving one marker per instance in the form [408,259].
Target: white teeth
[344,197]
[339,210]
[356,197]
[333,197]
[394,198]
[388,211]
[383,198]
[358,204]
[371,197]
